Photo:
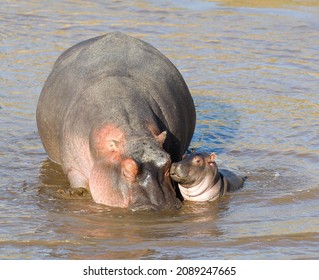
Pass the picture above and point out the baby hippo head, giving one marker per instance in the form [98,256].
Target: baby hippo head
[194,169]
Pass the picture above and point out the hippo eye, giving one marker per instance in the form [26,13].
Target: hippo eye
[198,161]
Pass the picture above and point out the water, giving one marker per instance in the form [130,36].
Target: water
[252,68]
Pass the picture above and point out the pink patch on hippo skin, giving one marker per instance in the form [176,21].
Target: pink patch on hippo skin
[105,187]
[107,141]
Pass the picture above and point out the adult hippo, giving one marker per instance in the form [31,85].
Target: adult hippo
[199,179]
[114,113]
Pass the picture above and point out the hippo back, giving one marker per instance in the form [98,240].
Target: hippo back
[116,55]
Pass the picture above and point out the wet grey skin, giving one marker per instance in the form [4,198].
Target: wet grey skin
[114,113]
[199,178]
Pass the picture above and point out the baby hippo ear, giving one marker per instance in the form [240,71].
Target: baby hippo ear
[129,169]
[213,157]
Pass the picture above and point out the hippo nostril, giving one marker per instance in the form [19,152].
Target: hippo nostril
[177,169]
[179,166]
[173,168]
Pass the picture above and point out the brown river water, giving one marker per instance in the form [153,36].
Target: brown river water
[253,70]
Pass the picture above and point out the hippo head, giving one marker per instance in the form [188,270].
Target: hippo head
[197,177]
[194,169]
[133,174]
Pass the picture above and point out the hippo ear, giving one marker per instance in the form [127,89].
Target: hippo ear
[213,157]
[113,145]
[129,169]
[161,137]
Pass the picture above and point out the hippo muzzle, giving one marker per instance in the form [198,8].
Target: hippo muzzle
[179,172]
[140,186]
[192,170]
[154,189]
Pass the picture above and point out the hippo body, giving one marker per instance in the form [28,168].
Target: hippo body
[199,178]
[114,113]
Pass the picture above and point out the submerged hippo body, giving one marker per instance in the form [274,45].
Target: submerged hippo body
[114,112]
[199,179]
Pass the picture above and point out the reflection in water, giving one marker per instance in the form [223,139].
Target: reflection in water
[120,232]
[252,67]
[52,174]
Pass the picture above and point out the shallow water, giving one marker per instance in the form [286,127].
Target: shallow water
[252,68]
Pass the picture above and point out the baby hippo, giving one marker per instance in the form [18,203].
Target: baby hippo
[199,179]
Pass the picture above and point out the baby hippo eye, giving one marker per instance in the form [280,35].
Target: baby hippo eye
[197,161]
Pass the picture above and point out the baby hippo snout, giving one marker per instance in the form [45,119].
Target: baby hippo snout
[178,171]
